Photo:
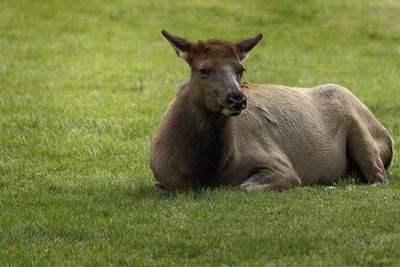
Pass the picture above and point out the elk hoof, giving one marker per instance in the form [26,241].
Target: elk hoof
[330,187]
[349,187]
[252,184]
[381,183]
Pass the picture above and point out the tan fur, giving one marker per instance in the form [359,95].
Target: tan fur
[286,137]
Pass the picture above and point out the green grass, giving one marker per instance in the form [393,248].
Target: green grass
[83,85]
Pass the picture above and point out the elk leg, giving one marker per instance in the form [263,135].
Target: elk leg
[276,175]
[362,149]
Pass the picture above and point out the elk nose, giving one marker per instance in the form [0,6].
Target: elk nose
[237,102]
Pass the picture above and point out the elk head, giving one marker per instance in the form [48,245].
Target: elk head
[216,71]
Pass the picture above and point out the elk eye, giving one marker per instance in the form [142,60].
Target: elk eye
[203,72]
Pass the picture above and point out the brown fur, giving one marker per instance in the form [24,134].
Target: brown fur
[286,137]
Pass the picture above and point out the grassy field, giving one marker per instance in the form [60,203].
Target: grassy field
[83,85]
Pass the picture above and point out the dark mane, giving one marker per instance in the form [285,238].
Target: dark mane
[202,142]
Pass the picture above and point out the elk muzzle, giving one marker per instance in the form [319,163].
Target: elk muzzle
[236,103]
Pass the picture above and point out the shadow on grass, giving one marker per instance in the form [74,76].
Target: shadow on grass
[140,192]
[149,191]
[128,194]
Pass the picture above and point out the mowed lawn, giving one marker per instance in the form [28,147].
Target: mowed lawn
[83,86]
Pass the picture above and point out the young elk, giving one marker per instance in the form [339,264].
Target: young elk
[220,131]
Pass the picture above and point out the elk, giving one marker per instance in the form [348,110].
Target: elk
[219,131]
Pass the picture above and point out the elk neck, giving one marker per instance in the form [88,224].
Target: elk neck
[203,140]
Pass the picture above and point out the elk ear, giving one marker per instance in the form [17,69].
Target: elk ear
[246,45]
[181,45]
